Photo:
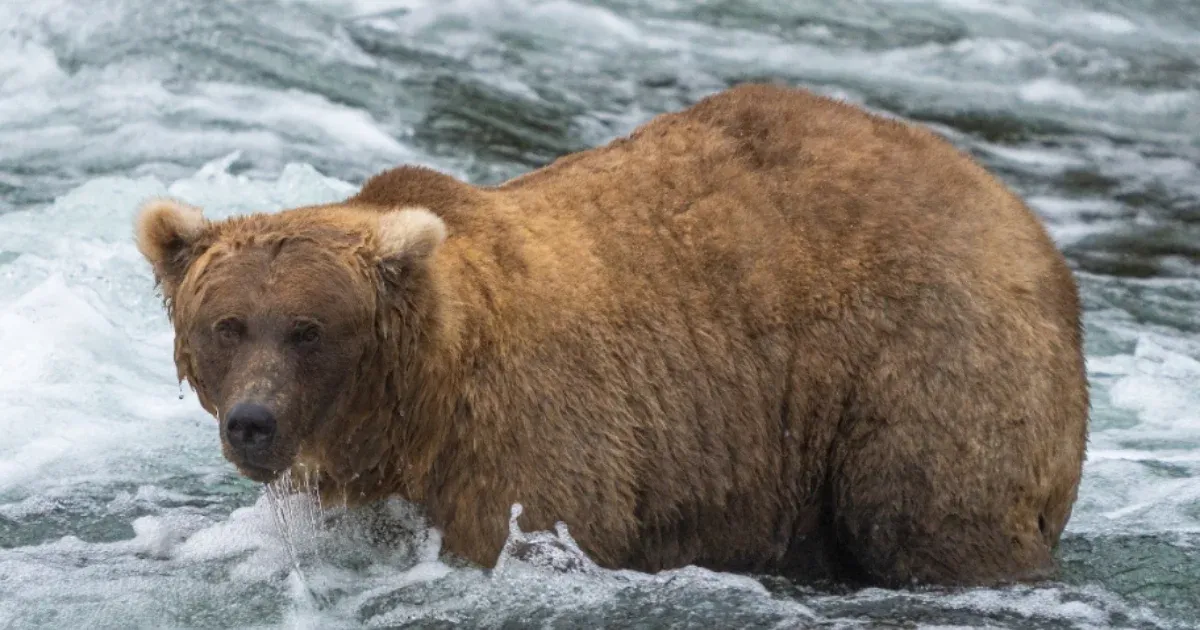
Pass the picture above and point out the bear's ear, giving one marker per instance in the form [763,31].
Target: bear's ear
[167,233]
[407,238]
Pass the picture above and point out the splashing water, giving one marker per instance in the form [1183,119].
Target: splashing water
[296,511]
[299,521]
[554,551]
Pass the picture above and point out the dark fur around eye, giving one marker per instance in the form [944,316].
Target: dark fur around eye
[306,332]
[229,329]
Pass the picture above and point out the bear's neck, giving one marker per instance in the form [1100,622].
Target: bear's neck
[429,362]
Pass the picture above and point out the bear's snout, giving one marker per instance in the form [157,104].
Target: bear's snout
[250,429]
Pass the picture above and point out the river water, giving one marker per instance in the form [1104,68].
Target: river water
[116,508]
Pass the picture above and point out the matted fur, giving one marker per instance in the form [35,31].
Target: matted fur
[770,332]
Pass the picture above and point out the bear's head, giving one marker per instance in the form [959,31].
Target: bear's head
[291,325]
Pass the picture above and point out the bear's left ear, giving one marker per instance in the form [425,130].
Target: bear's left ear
[168,234]
[407,238]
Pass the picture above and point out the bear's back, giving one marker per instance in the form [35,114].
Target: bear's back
[832,200]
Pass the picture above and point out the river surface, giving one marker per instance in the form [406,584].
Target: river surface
[116,508]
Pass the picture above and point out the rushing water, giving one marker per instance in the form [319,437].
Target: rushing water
[116,508]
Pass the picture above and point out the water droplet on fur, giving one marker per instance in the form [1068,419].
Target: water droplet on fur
[514,513]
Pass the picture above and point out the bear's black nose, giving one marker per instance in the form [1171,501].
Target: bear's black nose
[250,427]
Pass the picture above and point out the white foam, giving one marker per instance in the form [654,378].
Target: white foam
[361,8]
[304,114]
[1086,607]
[1144,450]
[1072,220]
[163,125]
[1100,21]
[1030,13]
[1013,11]
[24,63]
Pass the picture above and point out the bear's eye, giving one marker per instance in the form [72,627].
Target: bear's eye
[306,332]
[229,329]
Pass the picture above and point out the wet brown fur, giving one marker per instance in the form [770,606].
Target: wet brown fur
[767,333]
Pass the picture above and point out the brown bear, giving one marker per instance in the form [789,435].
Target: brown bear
[770,333]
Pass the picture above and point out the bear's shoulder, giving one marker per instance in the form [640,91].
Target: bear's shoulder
[416,186]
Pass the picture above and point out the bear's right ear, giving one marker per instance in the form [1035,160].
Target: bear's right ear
[167,234]
[407,238]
